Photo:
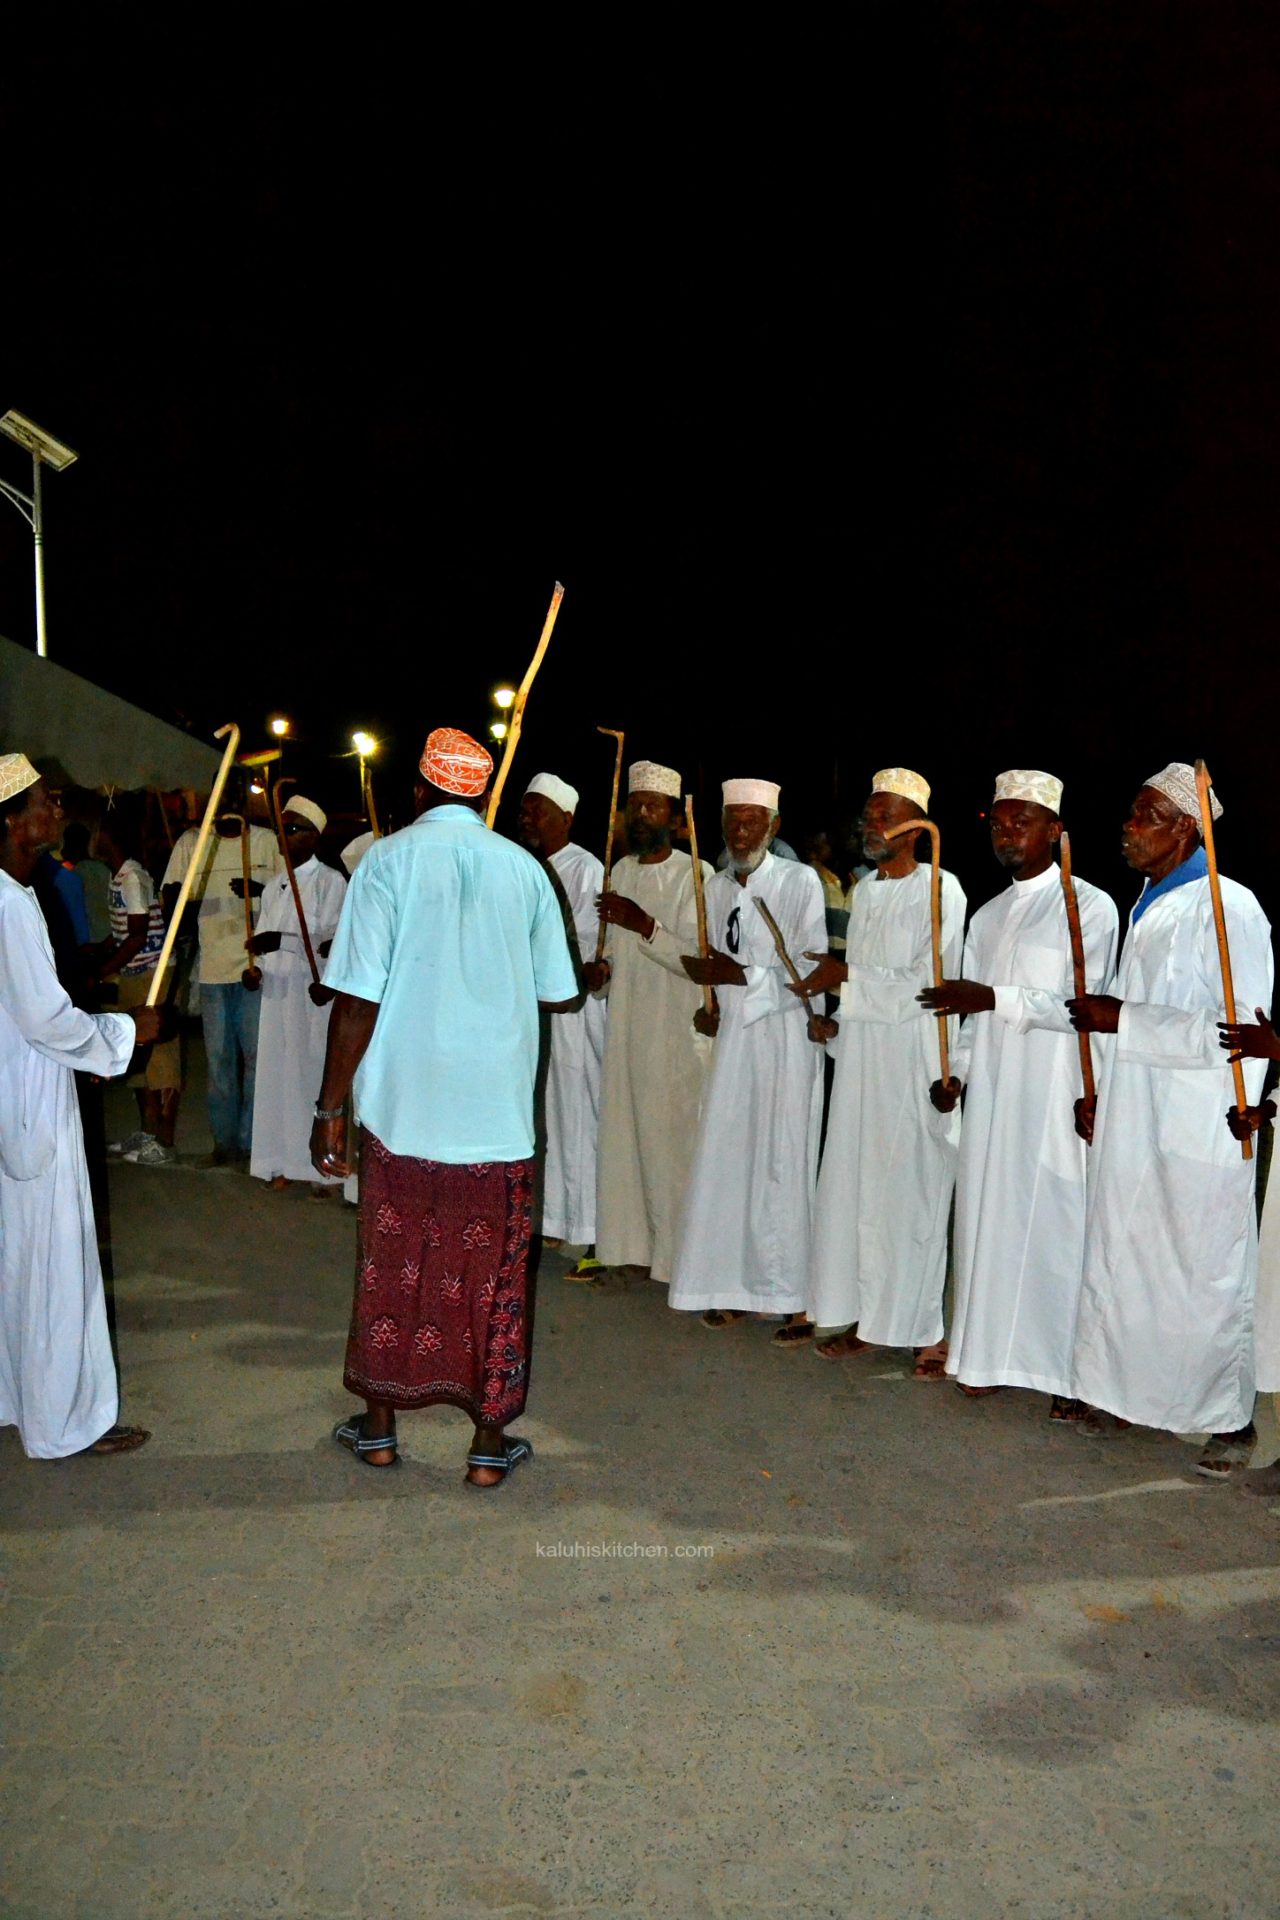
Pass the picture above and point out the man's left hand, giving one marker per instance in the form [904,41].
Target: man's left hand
[320,996]
[329,1148]
[1245,1042]
[1095,1013]
[255,887]
[1245,1125]
[821,1029]
[717,970]
[618,911]
[958,996]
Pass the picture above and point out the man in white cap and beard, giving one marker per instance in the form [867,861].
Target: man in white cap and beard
[654,1062]
[888,1168]
[294,1023]
[577,1039]
[57,1377]
[1020,1186]
[1165,1330]
[744,1239]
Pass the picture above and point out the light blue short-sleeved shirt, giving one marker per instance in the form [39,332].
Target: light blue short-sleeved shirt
[457,934]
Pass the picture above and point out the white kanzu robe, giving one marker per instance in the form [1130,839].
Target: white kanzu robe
[292,1030]
[744,1241]
[654,1067]
[573,1069]
[1020,1186]
[1267,1338]
[884,1191]
[57,1376]
[1165,1330]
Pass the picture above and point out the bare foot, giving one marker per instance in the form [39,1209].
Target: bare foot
[841,1346]
[931,1362]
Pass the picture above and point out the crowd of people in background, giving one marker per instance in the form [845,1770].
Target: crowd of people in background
[743,1094]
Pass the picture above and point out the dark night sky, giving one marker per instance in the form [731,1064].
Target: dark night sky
[911,397]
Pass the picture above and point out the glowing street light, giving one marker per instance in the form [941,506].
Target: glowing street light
[504,697]
[45,451]
[279,726]
[364,744]
[498,730]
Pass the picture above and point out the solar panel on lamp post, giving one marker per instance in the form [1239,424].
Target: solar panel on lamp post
[45,451]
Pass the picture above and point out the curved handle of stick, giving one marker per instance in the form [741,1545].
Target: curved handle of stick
[935,919]
[293,878]
[699,898]
[608,845]
[517,711]
[1220,928]
[188,878]
[1077,958]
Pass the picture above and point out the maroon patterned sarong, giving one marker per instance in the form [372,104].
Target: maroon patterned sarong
[440,1310]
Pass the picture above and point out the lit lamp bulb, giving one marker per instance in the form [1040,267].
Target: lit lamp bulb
[279,726]
[504,697]
[364,744]
[498,730]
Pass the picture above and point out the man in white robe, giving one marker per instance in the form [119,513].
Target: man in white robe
[1165,1330]
[888,1168]
[293,1026]
[654,1062]
[744,1239]
[57,1377]
[576,1045]
[1018,1256]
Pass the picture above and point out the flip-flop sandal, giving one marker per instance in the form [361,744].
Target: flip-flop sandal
[588,1272]
[117,1439]
[721,1316]
[795,1334]
[1223,1452]
[351,1435]
[514,1451]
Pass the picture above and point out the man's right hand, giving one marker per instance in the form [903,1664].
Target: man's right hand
[595,975]
[1086,1114]
[251,979]
[618,911]
[147,1022]
[264,943]
[945,1093]
[707,1021]
[828,976]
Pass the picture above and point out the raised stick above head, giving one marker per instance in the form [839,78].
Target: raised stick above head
[699,897]
[935,918]
[283,838]
[232,735]
[613,814]
[517,711]
[1077,957]
[1203,784]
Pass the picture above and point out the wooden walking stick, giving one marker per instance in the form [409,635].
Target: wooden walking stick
[935,919]
[370,809]
[1077,958]
[783,955]
[699,900]
[608,845]
[517,711]
[293,878]
[188,878]
[1220,928]
[248,897]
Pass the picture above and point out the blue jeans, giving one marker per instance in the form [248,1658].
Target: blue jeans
[230,1017]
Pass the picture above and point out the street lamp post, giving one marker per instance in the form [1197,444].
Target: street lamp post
[45,451]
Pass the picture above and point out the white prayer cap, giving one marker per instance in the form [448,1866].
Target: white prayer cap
[1177,782]
[309,811]
[558,791]
[751,793]
[1023,783]
[646,776]
[16,775]
[902,781]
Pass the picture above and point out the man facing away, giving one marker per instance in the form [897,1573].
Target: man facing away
[451,937]
[58,1381]
[654,1062]
[884,1190]
[294,1022]
[129,961]
[1020,1185]
[1165,1331]
[577,1039]
[744,1240]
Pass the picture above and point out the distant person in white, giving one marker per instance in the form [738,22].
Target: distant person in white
[577,1039]
[1165,1334]
[884,1191]
[293,1026]
[1020,1187]
[57,1377]
[744,1239]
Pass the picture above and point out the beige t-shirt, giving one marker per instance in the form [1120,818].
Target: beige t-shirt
[222,956]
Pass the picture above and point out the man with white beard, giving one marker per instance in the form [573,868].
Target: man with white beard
[744,1240]
[1165,1333]
[1020,1187]
[884,1190]
[576,1046]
